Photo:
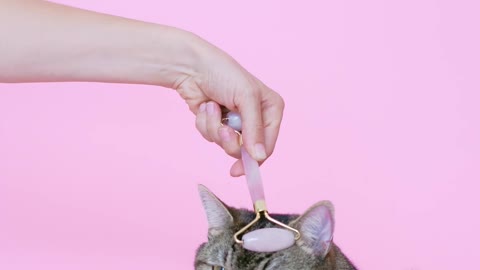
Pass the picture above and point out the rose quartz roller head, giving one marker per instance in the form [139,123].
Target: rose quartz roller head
[266,239]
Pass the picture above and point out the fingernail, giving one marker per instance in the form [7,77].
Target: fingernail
[210,108]
[225,135]
[260,151]
[202,108]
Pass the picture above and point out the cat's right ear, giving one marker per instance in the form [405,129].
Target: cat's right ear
[218,216]
[316,228]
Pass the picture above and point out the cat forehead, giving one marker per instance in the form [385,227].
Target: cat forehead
[245,215]
[236,258]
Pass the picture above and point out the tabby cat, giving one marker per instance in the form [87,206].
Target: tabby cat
[313,251]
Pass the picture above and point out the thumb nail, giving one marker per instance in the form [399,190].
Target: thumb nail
[260,153]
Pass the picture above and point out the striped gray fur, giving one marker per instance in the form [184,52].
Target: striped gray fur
[315,250]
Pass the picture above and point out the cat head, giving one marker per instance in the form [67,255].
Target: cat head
[314,250]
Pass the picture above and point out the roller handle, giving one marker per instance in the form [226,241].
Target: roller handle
[250,165]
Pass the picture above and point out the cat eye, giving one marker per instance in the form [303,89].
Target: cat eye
[216,267]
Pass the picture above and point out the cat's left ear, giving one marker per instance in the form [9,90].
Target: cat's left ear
[218,216]
[316,228]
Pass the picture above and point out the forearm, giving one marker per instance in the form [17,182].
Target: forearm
[42,42]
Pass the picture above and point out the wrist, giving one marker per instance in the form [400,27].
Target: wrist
[176,56]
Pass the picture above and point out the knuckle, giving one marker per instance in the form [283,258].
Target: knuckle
[231,149]
[207,137]
[199,125]
[201,129]
[259,127]
[231,152]
[281,103]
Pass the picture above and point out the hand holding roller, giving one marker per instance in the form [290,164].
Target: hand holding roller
[266,239]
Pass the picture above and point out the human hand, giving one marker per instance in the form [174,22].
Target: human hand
[105,48]
[219,79]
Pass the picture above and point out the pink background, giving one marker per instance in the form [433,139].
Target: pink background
[382,118]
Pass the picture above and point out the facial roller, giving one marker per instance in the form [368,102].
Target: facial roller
[266,239]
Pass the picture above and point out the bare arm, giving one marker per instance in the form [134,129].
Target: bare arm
[46,42]
[43,41]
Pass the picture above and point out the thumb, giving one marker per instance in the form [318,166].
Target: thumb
[252,126]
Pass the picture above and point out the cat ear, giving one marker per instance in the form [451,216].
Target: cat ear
[218,216]
[316,228]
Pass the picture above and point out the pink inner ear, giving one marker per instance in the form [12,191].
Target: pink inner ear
[326,224]
[317,227]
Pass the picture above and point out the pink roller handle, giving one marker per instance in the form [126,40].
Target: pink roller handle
[252,174]
[252,170]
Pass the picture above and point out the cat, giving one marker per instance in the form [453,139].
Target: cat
[314,250]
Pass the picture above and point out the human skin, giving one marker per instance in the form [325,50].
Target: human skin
[42,41]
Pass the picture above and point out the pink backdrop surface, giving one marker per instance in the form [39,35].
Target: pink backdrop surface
[382,118]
